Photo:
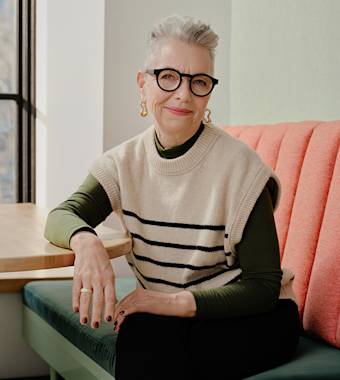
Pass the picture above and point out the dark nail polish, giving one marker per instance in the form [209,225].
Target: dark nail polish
[109,318]
[85,320]
[76,310]
[96,325]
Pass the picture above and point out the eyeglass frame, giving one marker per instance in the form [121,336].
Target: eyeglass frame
[156,72]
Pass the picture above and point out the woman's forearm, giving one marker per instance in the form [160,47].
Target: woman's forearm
[61,225]
[83,210]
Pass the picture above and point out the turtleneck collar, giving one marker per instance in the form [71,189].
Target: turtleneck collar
[188,160]
[178,150]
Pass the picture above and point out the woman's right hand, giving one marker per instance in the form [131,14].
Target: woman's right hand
[92,270]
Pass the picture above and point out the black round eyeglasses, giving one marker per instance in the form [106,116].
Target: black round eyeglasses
[170,80]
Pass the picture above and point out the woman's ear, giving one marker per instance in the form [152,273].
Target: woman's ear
[141,82]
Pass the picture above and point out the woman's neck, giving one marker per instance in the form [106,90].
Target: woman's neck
[179,150]
[169,141]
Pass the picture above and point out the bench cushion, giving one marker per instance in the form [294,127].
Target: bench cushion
[51,300]
[314,360]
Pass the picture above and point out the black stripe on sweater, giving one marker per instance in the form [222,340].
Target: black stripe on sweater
[176,225]
[182,286]
[179,246]
[176,265]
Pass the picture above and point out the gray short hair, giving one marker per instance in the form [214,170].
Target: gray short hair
[183,28]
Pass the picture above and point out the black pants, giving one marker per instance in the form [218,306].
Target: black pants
[151,347]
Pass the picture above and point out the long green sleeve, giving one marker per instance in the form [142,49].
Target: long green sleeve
[259,287]
[83,210]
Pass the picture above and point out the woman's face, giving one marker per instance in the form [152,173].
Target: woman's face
[179,112]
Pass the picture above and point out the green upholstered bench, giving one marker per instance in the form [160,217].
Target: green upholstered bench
[72,350]
[306,158]
[79,352]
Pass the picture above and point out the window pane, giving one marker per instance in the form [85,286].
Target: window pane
[8,46]
[8,147]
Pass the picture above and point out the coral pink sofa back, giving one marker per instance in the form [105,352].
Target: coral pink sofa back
[306,157]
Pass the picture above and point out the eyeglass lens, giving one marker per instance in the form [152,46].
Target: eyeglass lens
[169,80]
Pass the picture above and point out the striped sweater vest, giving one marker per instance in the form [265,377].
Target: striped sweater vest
[184,215]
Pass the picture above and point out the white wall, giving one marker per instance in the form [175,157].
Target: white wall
[70,95]
[127,26]
[285,60]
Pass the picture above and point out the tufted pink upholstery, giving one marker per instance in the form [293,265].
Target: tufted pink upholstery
[306,157]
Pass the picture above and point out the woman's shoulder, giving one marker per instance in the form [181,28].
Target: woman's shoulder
[245,162]
[127,151]
[230,145]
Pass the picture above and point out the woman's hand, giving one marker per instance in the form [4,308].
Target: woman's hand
[92,270]
[180,304]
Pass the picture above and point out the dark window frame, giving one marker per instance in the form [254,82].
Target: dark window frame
[25,100]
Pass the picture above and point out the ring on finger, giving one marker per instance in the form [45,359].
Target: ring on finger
[86,290]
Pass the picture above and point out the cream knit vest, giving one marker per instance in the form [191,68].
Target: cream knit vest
[185,215]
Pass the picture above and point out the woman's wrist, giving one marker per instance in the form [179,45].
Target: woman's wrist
[186,301]
[81,239]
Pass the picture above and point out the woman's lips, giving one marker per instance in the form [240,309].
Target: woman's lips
[178,111]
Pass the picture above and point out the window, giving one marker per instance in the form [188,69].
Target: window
[17,127]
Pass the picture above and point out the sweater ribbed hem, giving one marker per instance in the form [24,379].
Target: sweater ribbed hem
[109,186]
[248,203]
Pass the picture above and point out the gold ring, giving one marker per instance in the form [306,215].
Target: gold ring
[85,290]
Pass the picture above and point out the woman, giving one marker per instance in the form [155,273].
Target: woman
[198,205]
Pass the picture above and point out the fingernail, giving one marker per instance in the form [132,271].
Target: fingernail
[96,325]
[85,320]
[115,324]
[76,309]
[109,318]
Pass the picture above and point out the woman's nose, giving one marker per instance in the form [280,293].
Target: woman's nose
[183,90]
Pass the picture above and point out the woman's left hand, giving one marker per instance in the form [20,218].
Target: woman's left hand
[181,304]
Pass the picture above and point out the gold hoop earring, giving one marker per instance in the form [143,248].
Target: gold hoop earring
[207,118]
[143,109]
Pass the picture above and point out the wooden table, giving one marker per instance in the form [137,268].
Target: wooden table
[25,254]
